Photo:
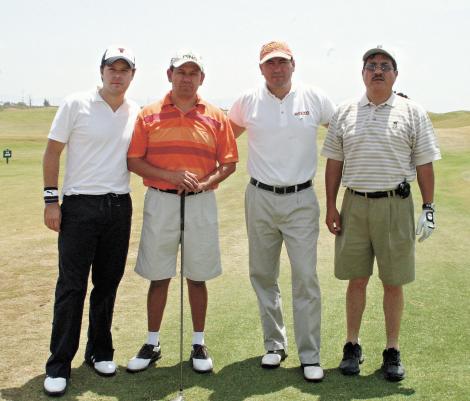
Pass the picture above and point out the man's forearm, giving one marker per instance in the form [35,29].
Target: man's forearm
[333,173]
[217,175]
[425,174]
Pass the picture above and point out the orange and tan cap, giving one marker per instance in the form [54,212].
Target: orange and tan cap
[274,49]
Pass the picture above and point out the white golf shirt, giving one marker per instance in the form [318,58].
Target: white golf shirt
[97,139]
[282,134]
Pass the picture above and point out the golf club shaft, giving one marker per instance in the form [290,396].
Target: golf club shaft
[182,207]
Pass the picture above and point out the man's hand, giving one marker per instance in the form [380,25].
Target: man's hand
[184,181]
[333,221]
[52,216]
[426,223]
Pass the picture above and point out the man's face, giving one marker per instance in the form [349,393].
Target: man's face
[374,76]
[117,77]
[186,80]
[277,72]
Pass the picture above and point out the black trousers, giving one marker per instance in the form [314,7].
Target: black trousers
[95,231]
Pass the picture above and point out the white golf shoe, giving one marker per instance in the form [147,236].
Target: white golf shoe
[273,359]
[200,359]
[105,368]
[313,372]
[147,355]
[102,368]
[55,386]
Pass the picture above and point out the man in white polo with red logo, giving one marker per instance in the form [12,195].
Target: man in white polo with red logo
[281,119]
[94,219]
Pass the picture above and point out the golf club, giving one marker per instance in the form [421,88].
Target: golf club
[180,396]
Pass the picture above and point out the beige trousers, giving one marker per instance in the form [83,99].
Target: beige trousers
[272,219]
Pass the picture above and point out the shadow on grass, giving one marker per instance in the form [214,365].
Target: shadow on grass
[236,382]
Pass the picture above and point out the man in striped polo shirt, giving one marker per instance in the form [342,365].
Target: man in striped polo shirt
[180,144]
[376,147]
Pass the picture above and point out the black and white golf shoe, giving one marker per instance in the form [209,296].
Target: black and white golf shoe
[200,360]
[147,355]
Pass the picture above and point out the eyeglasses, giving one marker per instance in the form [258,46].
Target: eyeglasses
[384,67]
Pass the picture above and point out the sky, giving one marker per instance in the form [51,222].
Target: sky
[51,48]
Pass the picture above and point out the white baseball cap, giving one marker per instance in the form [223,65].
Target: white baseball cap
[186,56]
[114,53]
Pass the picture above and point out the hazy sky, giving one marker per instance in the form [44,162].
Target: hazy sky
[50,48]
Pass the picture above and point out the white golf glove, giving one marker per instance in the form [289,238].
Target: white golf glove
[426,223]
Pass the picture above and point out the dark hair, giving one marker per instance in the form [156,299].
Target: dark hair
[401,94]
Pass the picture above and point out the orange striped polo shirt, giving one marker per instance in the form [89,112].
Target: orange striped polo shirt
[197,141]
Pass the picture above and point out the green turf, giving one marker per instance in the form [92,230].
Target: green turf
[453,119]
[435,327]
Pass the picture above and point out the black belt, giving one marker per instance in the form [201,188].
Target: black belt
[374,195]
[175,191]
[108,195]
[281,190]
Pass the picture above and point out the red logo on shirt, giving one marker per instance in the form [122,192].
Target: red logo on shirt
[302,113]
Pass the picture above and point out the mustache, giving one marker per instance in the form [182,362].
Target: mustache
[378,78]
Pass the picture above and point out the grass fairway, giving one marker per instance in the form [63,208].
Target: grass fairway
[435,329]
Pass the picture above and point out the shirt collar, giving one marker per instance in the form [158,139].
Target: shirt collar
[389,102]
[267,92]
[167,102]
[98,98]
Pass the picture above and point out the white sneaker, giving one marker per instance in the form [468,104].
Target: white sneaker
[55,386]
[147,355]
[313,373]
[273,359]
[105,368]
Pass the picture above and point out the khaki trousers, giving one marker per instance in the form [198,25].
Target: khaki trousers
[293,218]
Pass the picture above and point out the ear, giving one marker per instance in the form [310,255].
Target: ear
[133,73]
[169,74]
[202,78]
[293,64]
[101,73]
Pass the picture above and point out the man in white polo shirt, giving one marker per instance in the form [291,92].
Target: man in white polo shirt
[281,119]
[94,219]
[377,145]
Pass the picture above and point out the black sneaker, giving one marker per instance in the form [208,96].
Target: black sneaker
[147,355]
[352,358]
[392,367]
[200,359]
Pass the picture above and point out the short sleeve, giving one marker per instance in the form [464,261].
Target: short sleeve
[139,140]
[63,122]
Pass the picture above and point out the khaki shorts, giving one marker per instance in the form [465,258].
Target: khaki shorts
[382,228]
[160,237]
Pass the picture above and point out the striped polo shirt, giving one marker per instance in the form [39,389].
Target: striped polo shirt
[380,145]
[197,141]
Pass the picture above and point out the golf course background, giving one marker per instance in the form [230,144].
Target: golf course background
[435,335]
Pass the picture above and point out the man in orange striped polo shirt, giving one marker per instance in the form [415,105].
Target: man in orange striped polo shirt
[180,144]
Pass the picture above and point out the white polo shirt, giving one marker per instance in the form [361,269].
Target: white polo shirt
[282,134]
[97,139]
[380,145]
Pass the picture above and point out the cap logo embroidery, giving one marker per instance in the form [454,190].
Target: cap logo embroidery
[121,49]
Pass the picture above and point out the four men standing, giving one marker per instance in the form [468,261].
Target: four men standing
[184,145]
